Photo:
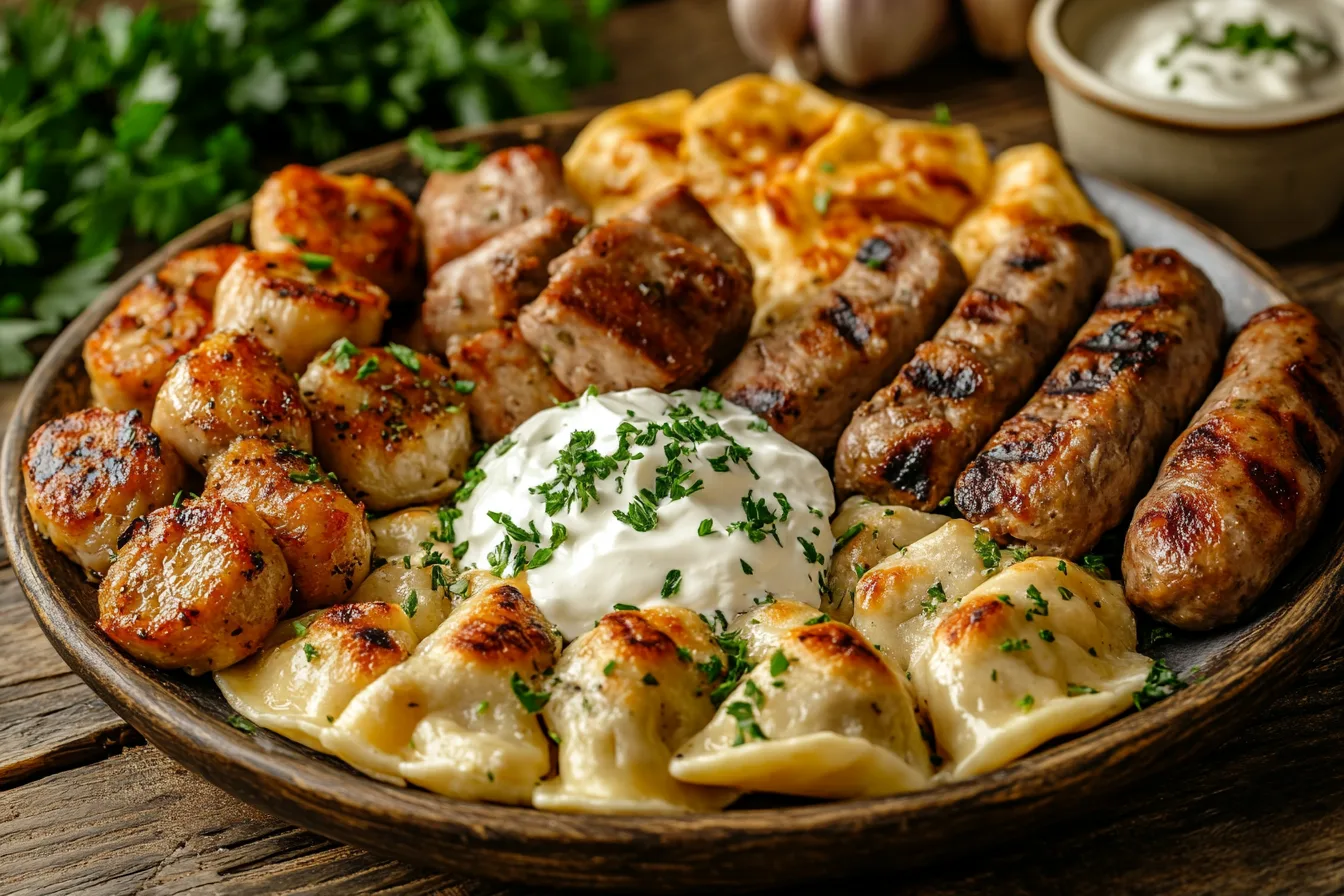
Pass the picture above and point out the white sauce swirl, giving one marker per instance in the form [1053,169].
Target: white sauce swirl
[1225,53]
[604,560]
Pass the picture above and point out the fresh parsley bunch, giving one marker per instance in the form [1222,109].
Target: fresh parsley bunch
[137,125]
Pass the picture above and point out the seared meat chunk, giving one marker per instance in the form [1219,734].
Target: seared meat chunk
[633,305]
[461,211]
[509,381]
[492,282]
[678,212]
[807,376]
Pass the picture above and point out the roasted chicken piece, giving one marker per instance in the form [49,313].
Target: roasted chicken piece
[230,385]
[299,303]
[632,305]
[389,423]
[492,282]
[153,325]
[196,586]
[461,211]
[323,535]
[89,474]
[365,224]
[509,381]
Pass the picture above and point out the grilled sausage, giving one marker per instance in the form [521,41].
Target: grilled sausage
[461,211]
[364,223]
[509,382]
[492,282]
[807,376]
[1244,486]
[677,211]
[632,305]
[1071,463]
[908,443]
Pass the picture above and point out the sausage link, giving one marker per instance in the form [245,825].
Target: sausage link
[1070,464]
[807,376]
[907,443]
[1244,486]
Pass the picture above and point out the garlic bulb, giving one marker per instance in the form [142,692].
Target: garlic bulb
[772,33]
[863,40]
[1000,26]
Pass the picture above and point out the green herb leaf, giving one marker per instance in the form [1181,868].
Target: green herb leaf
[532,700]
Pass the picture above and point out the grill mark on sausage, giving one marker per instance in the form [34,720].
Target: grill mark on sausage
[875,253]
[1132,295]
[1314,392]
[1186,524]
[1205,443]
[960,383]
[1085,381]
[1127,344]
[1278,488]
[1209,444]
[847,323]
[1308,444]
[773,404]
[984,306]
[907,467]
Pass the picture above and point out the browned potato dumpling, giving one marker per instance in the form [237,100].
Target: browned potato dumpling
[322,533]
[364,223]
[407,532]
[229,386]
[389,423]
[89,474]
[195,587]
[298,303]
[198,271]
[130,353]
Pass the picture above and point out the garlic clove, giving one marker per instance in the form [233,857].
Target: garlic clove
[999,27]
[771,33]
[864,40]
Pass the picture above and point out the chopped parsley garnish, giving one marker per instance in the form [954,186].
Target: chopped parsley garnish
[1094,564]
[759,522]
[1026,703]
[710,400]
[532,700]
[725,678]
[369,366]
[810,552]
[1156,633]
[642,514]
[445,532]
[340,354]
[684,655]
[821,201]
[1161,683]
[299,629]
[244,725]
[1014,644]
[177,499]
[671,584]
[1063,567]
[513,530]
[987,550]
[1006,599]
[936,596]
[758,425]
[1022,552]
[942,114]
[609,668]
[624,607]
[407,356]
[412,602]
[578,468]
[464,387]
[757,696]
[818,620]
[745,716]
[1065,593]
[848,535]
[746,567]
[779,664]
[314,261]
[1078,690]
[310,652]
[1046,635]
[543,556]
[785,508]
[706,527]
[649,679]
[460,550]
[471,478]
[1039,605]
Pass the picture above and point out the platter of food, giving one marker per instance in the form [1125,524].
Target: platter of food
[731,489]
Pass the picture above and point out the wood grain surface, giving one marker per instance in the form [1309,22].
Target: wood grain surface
[84,808]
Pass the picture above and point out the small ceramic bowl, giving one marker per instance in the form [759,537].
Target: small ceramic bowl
[1269,176]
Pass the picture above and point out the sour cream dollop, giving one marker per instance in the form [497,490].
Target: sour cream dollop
[1225,53]
[642,499]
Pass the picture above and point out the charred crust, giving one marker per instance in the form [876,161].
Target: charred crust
[983,306]
[375,637]
[1185,524]
[772,404]
[1277,487]
[838,641]
[1308,444]
[874,253]
[1315,393]
[846,321]
[981,618]
[1205,444]
[963,382]
[639,637]
[907,467]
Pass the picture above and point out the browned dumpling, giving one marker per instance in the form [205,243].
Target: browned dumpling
[229,386]
[88,475]
[196,586]
[389,423]
[364,223]
[130,353]
[322,533]
[298,303]
[198,271]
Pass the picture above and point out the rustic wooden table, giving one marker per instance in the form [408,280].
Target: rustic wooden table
[86,807]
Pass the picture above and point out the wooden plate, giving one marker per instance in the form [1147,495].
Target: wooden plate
[770,842]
